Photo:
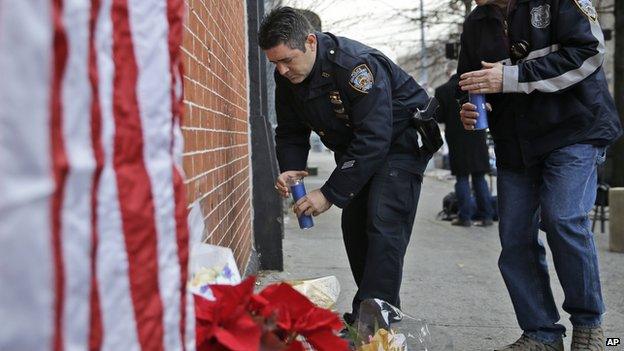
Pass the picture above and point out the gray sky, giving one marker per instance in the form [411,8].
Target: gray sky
[377,23]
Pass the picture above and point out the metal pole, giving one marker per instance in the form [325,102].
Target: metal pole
[267,205]
[424,78]
[616,219]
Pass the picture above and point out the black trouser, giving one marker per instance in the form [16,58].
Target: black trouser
[376,227]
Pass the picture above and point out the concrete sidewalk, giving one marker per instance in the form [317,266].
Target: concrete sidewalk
[451,278]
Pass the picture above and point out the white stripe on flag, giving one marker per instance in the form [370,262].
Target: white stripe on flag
[119,325]
[76,212]
[148,20]
[176,10]
[26,182]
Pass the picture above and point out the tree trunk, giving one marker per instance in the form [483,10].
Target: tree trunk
[617,152]
[467,7]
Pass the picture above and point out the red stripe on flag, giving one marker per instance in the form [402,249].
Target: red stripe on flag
[60,168]
[182,234]
[175,15]
[135,196]
[95,323]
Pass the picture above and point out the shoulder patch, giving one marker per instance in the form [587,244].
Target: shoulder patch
[587,9]
[362,79]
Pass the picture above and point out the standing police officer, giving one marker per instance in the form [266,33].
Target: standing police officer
[360,103]
[564,118]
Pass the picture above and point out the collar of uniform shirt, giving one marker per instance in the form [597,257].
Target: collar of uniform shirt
[321,64]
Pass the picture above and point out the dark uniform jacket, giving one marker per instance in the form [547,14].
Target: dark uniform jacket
[565,98]
[468,151]
[483,39]
[360,103]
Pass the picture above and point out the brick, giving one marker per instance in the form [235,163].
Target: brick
[215,95]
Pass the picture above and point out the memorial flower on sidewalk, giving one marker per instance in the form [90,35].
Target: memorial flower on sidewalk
[225,323]
[385,341]
[278,318]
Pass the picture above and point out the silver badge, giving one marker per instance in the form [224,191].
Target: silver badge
[540,16]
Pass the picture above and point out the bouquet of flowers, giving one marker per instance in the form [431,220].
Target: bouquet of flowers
[383,327]
[278,318]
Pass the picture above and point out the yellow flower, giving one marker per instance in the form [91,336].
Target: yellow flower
[204,276]
[384,341]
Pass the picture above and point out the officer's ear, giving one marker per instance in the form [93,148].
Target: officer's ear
[311,42]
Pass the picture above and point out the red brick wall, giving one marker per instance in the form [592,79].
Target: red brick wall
[216,125]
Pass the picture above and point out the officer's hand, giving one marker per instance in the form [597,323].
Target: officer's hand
[314,203]
[281,185]
[469,114]
[485,81]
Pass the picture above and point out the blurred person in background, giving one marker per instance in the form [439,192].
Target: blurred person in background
[468,154]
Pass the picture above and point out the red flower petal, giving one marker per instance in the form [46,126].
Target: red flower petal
[226,320]
[295,346]
[284,294]
[204,331]
[257,303]
[204,309]
[326,340]
[233,297]
[243,335]
[270,341]
[318,318]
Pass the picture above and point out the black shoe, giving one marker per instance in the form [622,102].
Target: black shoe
[484,223]
[461,222]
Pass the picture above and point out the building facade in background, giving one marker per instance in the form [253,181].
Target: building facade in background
[229,156]
[215,127]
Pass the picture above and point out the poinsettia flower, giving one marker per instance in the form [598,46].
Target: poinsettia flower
[225,324]
[296,315]
[295,345]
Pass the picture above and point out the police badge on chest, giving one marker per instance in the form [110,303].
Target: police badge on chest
[540,16]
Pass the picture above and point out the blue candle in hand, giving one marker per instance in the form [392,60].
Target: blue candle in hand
[298,191]
[479,101]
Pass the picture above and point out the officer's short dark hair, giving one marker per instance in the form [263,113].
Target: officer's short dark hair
[284,25]
[313,18]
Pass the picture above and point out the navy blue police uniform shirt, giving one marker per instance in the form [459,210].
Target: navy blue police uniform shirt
[360,104]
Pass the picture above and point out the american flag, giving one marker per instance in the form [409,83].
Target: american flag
[93,232]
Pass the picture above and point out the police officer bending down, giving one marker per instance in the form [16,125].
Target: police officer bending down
[360,103]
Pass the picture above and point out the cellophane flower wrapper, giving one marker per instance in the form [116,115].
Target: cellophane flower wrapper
[374,332]
[211,264]
[323,291]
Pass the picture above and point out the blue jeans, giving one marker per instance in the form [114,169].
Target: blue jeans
[560,192]
[482,194]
